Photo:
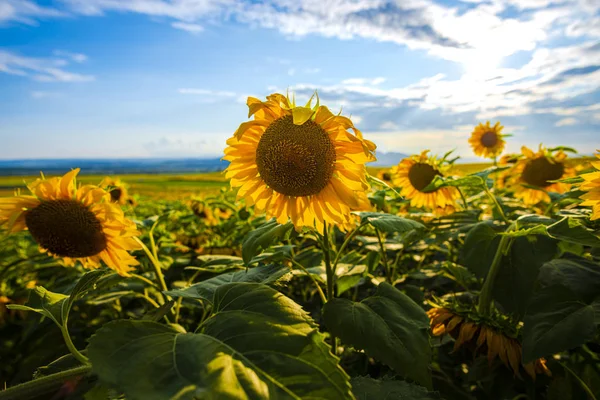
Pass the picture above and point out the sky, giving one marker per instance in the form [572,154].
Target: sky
[170,78]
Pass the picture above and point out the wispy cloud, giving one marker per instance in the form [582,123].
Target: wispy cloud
[191,28]
[40,69]
[75,57]
[44,95]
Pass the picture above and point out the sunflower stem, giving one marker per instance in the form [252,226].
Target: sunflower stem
[312,278]
[345,244]
[386,265]
[330,272]
[80,357]
[584,386]
[156,264]
[45,386]
[485,296]
[495,201]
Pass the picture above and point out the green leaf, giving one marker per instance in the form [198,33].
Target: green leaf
[57,306]
[480,246]
[571,230]
[258,344]
[205,290]
[366,388]
[466,181]
[262,237]
[348,275]
[580,275]
[389,223]
[389,326]
[519,270]
[556,320]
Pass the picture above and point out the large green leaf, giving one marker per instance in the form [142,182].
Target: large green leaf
[365,388]
[580,275]
[205,290]
[389,326]
[571,230]
[57,306]
[389,223]
[557,320]
[262,237]
[479,248]
[519,270]
[258,344]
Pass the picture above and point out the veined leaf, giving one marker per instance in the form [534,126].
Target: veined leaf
[571,230]
[389,326]
[205,290]
[262,237]
[580,275]
[389,223]
[258,344]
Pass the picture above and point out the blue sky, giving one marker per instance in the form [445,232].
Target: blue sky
[169,78]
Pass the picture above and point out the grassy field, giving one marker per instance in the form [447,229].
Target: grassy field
[178,186]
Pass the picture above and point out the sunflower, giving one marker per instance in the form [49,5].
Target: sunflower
[486,140]
[592,187]
[117,189]
[532,175]
[414,174]
[204,213]
[385,175]
[74,224]
[299,163]
[484,338]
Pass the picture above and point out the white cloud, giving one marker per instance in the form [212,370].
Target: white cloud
[566,122]
[363,81]
[76,57]
[44,95]
[40,69]
[25,12]
[191,28]
[186,145]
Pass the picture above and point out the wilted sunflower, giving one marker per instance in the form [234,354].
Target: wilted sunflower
[487,141]
[592,187]
[415,173]
[117,189]
[538,169]
[299,163]
[483,338]
[75,224]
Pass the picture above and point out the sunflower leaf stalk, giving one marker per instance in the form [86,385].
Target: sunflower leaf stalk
[44,386]
[485,296]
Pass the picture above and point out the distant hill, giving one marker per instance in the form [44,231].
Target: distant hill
[139,166]
[111,166]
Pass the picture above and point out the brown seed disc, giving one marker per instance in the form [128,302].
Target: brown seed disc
[421,175]
[295,160]
[66,228]
[539,171]
[489,139]
[115,194]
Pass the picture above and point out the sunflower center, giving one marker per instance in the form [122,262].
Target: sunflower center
[115,194]
[386,176]
[421,175]
[295,160]
[66,228]
[539,171]
[489,139]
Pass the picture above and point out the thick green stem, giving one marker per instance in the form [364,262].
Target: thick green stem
[330,272]
[388,270]
[45,386]
[345,244]
[485,297]
[156,264]
[80,357]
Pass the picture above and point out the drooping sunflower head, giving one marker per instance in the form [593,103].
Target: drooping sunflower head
[591,185]
[299,163]
[117,190]
[415,173]
[532,176]
[483,337]
[486,140]
[74,224]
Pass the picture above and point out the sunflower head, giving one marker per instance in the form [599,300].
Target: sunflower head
[385,175]
[486,140]
[73,223]
[483,335]
[533,175]
[204,213]
[299,162]
[591,185]
[117,190]
[415,173]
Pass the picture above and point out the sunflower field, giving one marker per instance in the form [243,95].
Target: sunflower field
[309,277]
